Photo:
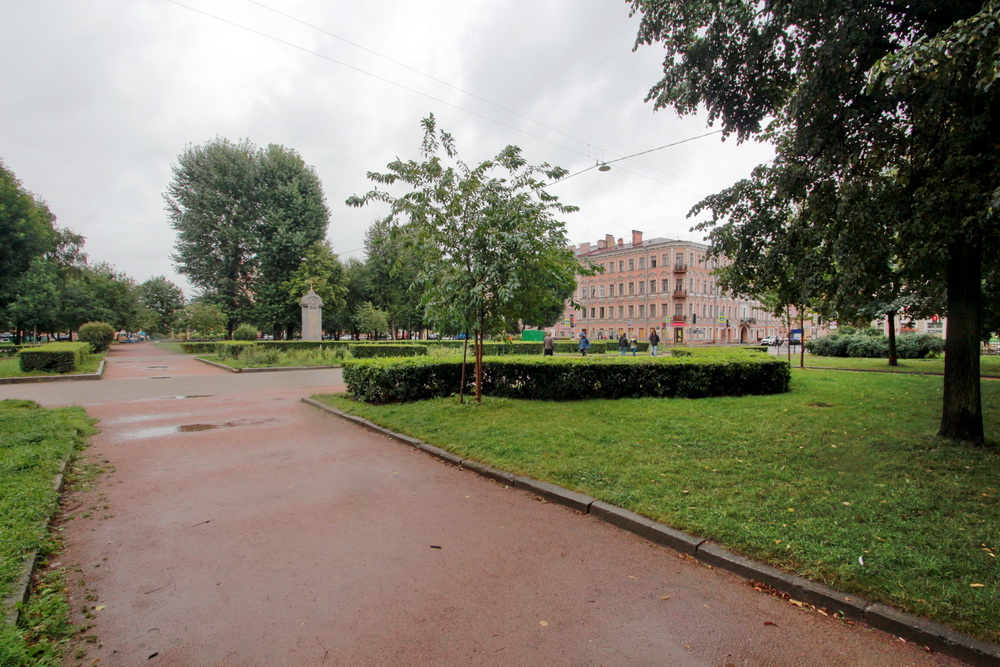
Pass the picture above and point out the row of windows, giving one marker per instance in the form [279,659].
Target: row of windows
[665,259]
[707,311]
[630,287]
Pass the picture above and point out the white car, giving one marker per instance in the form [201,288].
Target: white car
[770,340]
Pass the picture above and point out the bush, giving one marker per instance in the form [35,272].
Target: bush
[364,351]
[200,347]
[245,332]
[54,357]
[257,356]
[98,334]
[864,344]
[385,381]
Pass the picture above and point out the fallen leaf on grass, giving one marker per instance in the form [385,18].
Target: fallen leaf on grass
[977,585]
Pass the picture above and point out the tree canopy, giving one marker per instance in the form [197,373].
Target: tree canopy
[879,176]
[493,250]
[245,218]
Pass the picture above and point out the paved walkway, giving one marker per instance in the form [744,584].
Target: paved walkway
[238,526]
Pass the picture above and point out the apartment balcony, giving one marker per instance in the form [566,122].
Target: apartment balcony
[680,293]
[679,318]
[748,320]
[680,268]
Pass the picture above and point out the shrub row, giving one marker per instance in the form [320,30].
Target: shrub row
[387,381]
[366,351]
[908,346]
[54,357]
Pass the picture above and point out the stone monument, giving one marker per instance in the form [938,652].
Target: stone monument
[312,316]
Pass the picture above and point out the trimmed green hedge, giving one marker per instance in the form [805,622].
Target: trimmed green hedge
[54,357]
[367,350]
[908,346]
[553,378]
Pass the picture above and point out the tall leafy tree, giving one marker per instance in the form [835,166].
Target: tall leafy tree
[489,231]
[245,218]
[821,80]
[36,297]
[293,217]
[164,300]
[392,266]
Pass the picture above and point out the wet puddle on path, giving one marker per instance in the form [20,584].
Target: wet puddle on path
[157,431]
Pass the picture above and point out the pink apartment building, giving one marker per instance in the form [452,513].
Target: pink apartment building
[664,285]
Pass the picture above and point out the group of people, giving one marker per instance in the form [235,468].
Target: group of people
[624,343]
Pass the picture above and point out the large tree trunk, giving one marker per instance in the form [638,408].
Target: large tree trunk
[891,317]
[962,415]
[465,360]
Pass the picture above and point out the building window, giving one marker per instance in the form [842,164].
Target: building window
[652,287]
[592,290]
[621,266]
[592,311]
[631,312]
[642,262]
[652,262]
[652,310]
[642,287]
[621,312]
[601,311]
[621,289]
[631,265]
[680,284]
[642,310]
[665,284]
[602,290]
[631,288]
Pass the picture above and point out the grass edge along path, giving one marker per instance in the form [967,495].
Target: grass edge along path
[35,444]
[837,480]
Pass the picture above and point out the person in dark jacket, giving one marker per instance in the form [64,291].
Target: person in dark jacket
[623,343]
[584,343]
[654,340]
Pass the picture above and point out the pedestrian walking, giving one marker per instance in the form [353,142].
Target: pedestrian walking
[623,343]
[654,340]
[548,344]
[584,343]
[635,345]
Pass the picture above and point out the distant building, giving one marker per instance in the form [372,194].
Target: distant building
[664,285]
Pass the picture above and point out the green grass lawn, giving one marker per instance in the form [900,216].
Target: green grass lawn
[33,444]
[841,479]
[10,367]
[989,365]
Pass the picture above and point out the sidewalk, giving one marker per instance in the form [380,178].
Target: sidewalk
[238,526]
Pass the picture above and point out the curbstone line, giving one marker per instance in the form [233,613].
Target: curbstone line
[439,453]
[882,617]
[501,476]
[75,377]
[218,365]
[645,528]
[22,587]
[571,499]
[933,635]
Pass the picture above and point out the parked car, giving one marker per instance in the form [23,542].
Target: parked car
[770,340]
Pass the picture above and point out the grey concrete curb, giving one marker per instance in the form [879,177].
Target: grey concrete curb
[263,370]
[77,377]
[911,628]
[22,587]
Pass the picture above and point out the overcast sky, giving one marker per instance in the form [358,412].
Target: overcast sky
[100,96]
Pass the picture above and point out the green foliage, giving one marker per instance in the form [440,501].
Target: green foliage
[861,344]
[322,272]
[245,332]
[33,444]
[27,231]
[371,320]
[54,357]
[245,218]
[363,351]
[204,318]
[499,253]
[100,335]
[561,379]
[200,347]
[885,175]
[165,300]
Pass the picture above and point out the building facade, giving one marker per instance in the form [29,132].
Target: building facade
[660,285]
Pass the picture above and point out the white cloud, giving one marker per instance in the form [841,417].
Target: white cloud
[100,97]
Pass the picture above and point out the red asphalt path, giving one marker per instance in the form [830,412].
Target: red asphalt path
[239,526]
